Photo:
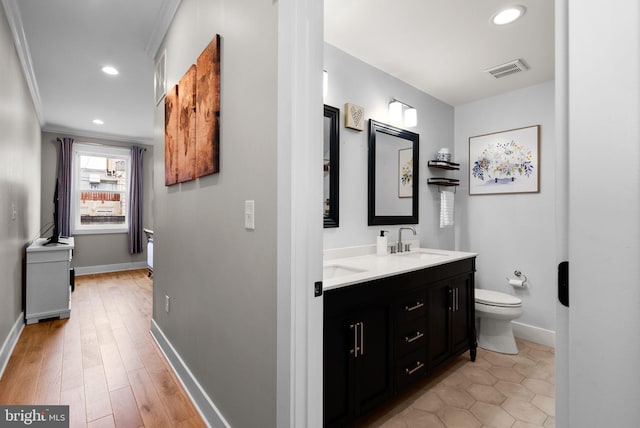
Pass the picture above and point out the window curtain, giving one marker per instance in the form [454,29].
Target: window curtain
[64,185]
[135,201]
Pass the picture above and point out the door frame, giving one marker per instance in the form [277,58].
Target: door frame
[300,224]
[598,105]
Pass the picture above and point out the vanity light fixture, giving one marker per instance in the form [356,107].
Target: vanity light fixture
[410,117]
[98,121]
[396,109]
[508,15]
[110,70]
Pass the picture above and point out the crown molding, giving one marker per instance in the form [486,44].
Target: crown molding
[163,21]
[52,129]
[12,12]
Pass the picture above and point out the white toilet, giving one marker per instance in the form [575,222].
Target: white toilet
[495,311]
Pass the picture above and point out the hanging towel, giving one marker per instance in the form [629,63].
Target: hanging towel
[446,209]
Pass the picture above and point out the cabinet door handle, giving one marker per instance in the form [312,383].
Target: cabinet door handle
[418,305]
[355,349]
[457,294]
[418,366]
[451,299]
[361,338]
[417,336]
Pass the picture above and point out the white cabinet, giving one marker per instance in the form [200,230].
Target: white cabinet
[48,280]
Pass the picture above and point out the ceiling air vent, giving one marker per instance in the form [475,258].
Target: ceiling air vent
[511,67]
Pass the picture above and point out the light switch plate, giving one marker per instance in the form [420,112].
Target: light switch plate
[249,215]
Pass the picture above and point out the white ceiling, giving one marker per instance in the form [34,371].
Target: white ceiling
[438,46]
[442,47]
[64,44]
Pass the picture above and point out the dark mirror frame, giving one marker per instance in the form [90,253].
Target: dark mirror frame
[334,166]
[379,127]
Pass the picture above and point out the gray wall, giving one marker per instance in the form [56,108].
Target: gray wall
[220,277]
[508,231]
[353,81]
[19,177]
[94,249]
[512,231]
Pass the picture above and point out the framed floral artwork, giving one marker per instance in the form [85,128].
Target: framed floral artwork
[405,173]
[505,162]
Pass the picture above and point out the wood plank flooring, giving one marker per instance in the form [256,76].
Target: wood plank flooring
[102,361]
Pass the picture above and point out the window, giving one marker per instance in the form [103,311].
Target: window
[100,189]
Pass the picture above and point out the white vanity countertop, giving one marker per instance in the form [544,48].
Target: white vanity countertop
[342,267]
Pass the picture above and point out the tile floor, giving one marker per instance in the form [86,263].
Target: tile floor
[495,391]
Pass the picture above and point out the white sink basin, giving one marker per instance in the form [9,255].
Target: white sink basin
[422,255]
[335,271]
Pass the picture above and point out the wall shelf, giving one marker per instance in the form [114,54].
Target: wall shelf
[443,165]
[443,181]
[440,181]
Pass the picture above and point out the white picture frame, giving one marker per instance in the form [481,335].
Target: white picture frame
[160,78]
[505,162]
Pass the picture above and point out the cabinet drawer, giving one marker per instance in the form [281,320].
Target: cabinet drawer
[411,368]
[48,256]
[411,335]
[411,306]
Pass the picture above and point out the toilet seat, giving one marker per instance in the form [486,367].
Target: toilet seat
[495,298]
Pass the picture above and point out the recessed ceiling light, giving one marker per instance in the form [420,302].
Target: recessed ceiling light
[110,70]
[98,122]
[508,15]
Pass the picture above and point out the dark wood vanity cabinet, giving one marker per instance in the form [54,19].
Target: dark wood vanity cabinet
[451,319]
[410,334]
[383,335]
[357,348]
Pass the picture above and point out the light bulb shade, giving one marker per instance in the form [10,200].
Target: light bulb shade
[410,117]
[325,83]
[507,16]
[395,111]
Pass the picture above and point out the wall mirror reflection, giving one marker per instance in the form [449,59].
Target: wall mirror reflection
[331,165]
[393,175]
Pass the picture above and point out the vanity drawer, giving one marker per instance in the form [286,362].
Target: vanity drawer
[411,306]
[411,335]
[411,368]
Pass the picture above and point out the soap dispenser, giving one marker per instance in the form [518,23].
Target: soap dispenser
[381,248]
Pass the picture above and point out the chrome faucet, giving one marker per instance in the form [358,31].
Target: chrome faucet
[400,248]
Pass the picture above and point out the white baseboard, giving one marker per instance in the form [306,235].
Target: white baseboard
[10,343]
[207,409]
[117,267]
[534,334]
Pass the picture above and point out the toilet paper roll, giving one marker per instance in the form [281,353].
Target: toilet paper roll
[517,283]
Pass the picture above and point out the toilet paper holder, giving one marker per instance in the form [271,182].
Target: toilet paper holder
[520,282]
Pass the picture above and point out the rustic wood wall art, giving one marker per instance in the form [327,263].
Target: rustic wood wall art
[208,110]
[192,120]
[171,137]
[187,126]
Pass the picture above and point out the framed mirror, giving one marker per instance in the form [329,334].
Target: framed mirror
[331,166]
[393,180]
